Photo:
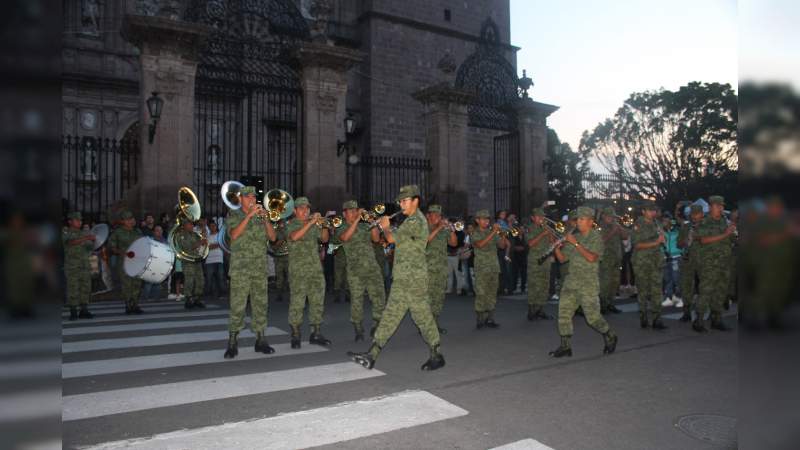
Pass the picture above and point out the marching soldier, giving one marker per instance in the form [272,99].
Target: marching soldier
[648,265]
[715,236]
[249,232]
[280,255]
[193,279]
[409,287]
[440,236]
[486,240]
[119,241]
[611,260]
[687,240]
[306,279]
[582,285]
[78,245]
[363,272]
[540,238]
[340,276]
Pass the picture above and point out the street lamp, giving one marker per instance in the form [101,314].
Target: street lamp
[154,105]
[349,129]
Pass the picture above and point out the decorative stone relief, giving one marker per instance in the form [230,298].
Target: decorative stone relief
[90,17]
[326,102]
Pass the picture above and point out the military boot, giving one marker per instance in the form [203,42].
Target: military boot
[199,303]
[565,349]
[613,309]
[490,321]
[233,345]
[261,344]
[73,313]
[366,359]
[717,323]
[480,321]
[84,313]
[435,361]
[610,340]
[135,309]
[532,312]
[643,320]
[698,326]
[317,338]
[658,324]
[374,328]
[128,308]
[687,314]
[189,303]
[540,314]
[359,330]
[296,336]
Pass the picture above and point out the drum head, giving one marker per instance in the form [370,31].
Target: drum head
[141,254]
[100,231]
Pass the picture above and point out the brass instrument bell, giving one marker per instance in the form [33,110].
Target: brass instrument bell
[279,204]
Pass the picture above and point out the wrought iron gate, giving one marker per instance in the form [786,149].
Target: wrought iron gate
[507,173]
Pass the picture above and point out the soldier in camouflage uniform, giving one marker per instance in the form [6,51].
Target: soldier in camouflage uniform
[306,279]
[539,239]
[340,276]
[410,285]
[611,260]
[648,265]
[440,236]
[280,255]
[119,241]
[581,287]
[193,279]
[363,273]
[78,245]
[687,240]
[486,241]
[715,236]
[249,230]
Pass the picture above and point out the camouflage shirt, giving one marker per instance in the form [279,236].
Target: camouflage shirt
[249,251]
[304,253]
[76,257]
[121,239]
[537,250]
[692,250]
[719,251]
[189,242]
[612,248]
[410,242]
[436,251]
[359,251]
[646,232]
[486,257]
[583,275]
[280,248]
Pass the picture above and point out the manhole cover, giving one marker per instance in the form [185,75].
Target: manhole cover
[711,428]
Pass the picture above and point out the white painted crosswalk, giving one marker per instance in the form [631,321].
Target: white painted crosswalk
[143,326]
[152,341]
[121,317]
[147,309]
[525,444]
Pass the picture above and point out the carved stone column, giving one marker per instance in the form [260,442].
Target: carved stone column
[168,55]
[446,116]
[532,126]
[324,82]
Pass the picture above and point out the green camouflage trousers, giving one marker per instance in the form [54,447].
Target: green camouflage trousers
[251,284]
[339,271]
[437,284]
[130,289]
[79,286]
[609,273]
[281,272]
[568,303]
[648,285]
[405,297]
[312,288]
[538,283]
[371,284]
[688,270]
[193,280]
[485,291]
[713,288]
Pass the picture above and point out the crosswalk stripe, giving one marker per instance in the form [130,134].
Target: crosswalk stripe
[525,444]
[119,401]
[628,307]
[27,346]
[151,341]
[146,317]
[30,369]
[133,364]
[118,305]
[121,310]
[143,326]
[675,316]
[30,405]
[333,424]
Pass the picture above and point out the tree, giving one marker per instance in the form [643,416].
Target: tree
[565,173]
[667,145]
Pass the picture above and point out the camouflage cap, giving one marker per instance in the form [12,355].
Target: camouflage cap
[696,208]
[584,211]
[301,201]
[248,190]
[435,209]
[572,215]
[126,214]
[609,211]
[537,212]
[483,213]
[75,215]
[716,199]
[649,204]
[410,190]
[350,204]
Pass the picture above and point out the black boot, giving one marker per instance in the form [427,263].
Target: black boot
[490,321]
[698,326]
[189,303]
[135,309]
[128,308]
[199,303]
[233,346]
[565,349]
[84,313]
[435,361]
[261,345]
[658,324]
[532,310]
[613,309]
[718,324]
[611,342]
[540,314]
[359,330]
[481,321]
[687,314]
[317,338]
[374,328]
[73,313]
[643,320]
[346,297]
[296,336]
[366,359]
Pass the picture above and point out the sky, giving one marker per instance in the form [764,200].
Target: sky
[588,56]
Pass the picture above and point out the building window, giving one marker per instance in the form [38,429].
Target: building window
[447,15]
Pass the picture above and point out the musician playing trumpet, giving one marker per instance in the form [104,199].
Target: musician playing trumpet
[441,235]
[250,229]
[611,261]
[486,241]
[648,265]
[539,237]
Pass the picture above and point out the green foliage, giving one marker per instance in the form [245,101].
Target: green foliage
[565,173]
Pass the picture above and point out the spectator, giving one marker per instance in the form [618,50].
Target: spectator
[519,258]
[673,254]
[455,275]
[149,225]
[215,271]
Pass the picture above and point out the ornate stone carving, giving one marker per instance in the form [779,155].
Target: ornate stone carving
[90,17]
[447,64]
[321,10]
[326,102]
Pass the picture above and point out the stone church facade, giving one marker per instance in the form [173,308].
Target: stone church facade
[264,89]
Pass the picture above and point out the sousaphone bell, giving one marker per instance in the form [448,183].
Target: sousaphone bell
[187,245]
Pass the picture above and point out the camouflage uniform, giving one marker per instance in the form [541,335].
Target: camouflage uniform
[538,274]
[121,239]
[486,270]
[436,254]
[648,265]
[610,263]
[193,279]
[281,259]
[689,262]
[306,279]
[714,266]
[248,273]
[76,266]
[339,273]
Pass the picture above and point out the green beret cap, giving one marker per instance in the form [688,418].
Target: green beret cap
[410,190]
[435,209]
[483,213]
[537,212]
[350,204]
[301,201]
[584,211]
[716,199]
[248,190]
[76,215]
[126,214]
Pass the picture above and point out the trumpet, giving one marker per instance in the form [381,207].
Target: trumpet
[513,232]
[371,216]
[558,228]
[374,223]
[543,257]
[333,222]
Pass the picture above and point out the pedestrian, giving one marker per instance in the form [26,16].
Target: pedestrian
[671,285]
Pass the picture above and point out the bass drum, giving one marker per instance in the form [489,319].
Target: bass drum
[149,260]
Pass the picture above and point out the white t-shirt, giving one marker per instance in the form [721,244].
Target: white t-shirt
[214,254]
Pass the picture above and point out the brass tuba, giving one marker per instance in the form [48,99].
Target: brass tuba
[188,245]
[279,204]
